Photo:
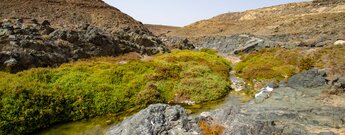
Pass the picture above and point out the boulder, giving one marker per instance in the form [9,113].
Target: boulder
[309,79]
[339,42]
[157,119]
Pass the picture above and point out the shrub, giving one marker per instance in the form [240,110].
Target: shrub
[210,128]
[272,64]
[40,97]
[276,63]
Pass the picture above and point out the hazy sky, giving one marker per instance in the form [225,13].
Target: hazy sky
[184,12]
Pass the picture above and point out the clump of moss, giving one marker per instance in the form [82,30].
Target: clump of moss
[208,50]
[40,97]
[276,64]
[272,64]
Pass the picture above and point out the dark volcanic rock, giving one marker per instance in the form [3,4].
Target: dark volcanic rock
[309,79]
[287,111]
[156,120]
[177,43]
[27,45]
[234,44]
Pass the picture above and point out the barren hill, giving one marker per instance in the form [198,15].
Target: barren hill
[160,29]
[69,13]
[305,19]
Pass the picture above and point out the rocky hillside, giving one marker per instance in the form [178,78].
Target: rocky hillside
[94,12]
[27,44]
[305,24]
[47,33]
[311,18]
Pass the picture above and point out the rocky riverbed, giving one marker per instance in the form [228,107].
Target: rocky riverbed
[302,106]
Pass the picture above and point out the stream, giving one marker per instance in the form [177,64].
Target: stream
[99,125]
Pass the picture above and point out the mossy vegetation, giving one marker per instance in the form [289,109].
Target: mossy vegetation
[40,97]
[276,64]
[272,64]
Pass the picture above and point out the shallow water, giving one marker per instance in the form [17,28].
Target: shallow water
[94,126]
[99,125]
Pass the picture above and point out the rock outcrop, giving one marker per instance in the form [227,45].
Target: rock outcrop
[25,43]
[234,44]
[177,43]
[305,109]
[310,79]
[159,119]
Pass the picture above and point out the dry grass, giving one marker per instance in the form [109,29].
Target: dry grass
[210,128]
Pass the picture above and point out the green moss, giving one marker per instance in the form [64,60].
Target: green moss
[276,64]
[208,50]
[272,64]
[40,97]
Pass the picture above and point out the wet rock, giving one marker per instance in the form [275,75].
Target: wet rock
[309,79]
[285,111]
[237,84]
[157,119]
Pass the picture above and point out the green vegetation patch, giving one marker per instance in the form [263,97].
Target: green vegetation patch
[40,97]
[272,64]
[275,64]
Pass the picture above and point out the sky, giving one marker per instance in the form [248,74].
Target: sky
[184,12]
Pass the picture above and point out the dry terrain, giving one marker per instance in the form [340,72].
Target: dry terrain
[160,29]
[69,13]
[318,19]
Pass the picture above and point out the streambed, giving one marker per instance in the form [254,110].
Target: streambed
[99,125]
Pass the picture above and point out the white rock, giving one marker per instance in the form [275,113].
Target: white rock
[339,42]
[269,89]
[258,94]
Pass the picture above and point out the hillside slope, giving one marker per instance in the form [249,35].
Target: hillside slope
[94,12]
[160,29]
[302,20]
[47,33]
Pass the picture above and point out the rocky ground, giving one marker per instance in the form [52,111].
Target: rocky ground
[306,24]
[46,33]
[27,43]
[301,106]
